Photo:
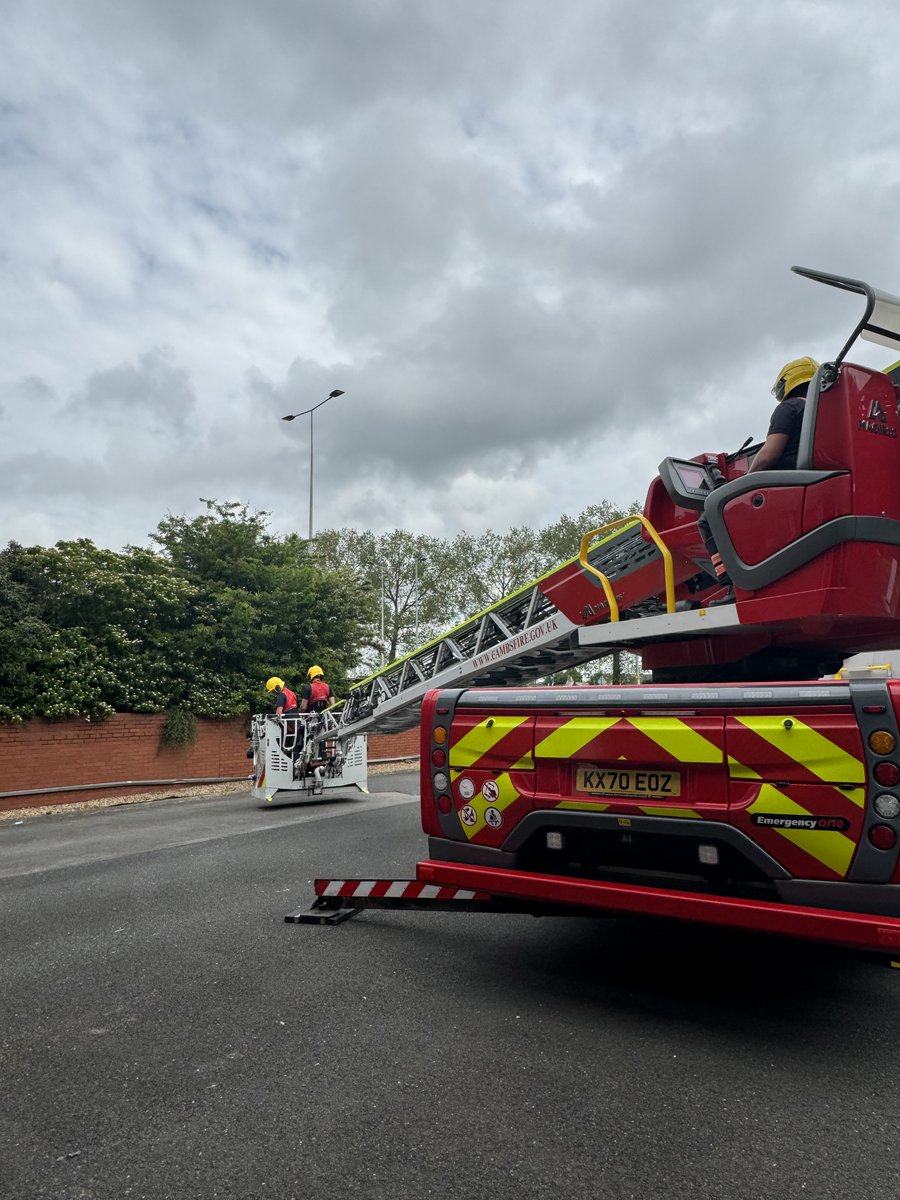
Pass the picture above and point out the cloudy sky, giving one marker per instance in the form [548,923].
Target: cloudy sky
[539,246]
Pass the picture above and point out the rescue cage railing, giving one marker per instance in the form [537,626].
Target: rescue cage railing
[454,656]
[297,731]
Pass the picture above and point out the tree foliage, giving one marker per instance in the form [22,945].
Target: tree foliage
[196,623]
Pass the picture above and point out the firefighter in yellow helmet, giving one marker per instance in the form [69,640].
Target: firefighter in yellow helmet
[285,699]
[778,452]
[316,693]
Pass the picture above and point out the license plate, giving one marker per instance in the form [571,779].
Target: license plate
[644,784]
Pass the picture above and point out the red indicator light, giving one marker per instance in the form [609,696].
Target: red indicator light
[873,708]
[887,774]
[438,757]
[883,837]
[445,804]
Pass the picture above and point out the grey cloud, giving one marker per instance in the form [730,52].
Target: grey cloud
[156,394]
[535,245]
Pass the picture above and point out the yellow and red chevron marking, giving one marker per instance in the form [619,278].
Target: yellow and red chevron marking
[631,739]
[807,854]
[501,741]
[575,738]
[783,764]
[732,768]
[825,748]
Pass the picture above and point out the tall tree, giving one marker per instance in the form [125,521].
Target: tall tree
[401,579]
[271,606]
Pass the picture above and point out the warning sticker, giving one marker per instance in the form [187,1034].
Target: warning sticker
[468,815]
[490,791]
[493,817]
[466,788]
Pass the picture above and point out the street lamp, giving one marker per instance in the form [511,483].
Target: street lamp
[418,561]
[309,412]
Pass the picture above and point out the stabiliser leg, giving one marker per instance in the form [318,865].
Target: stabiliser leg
[321,914]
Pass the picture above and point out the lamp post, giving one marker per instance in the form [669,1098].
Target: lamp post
[418,561]
[383,655]
[309,412]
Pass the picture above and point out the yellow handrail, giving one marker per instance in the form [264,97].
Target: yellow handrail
[657,541]
[867,667]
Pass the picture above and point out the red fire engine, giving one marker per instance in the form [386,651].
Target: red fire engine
[752,784]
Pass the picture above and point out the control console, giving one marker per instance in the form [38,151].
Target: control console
[688,482]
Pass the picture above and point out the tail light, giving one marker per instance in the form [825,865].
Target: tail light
[887,774]
[882,837]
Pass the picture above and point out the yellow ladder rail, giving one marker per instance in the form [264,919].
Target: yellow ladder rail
[607,588]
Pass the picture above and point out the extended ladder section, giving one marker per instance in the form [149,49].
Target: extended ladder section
[813,554]
[530,634]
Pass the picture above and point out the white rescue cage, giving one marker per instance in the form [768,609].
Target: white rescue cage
[303,756]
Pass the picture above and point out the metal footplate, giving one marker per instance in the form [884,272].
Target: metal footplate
[339,899]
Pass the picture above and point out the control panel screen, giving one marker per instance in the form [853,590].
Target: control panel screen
[688,483]
[692,475]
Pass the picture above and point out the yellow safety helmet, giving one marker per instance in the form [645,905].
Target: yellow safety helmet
[792,374]
[314,672]
[273,683]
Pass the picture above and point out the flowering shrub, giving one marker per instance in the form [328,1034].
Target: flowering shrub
[194,626]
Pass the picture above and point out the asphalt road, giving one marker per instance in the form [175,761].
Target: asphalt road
[166,1034]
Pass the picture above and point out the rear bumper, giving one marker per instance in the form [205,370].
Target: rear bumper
[855,930]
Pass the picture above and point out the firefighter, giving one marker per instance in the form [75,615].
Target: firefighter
[285,699]
[777,453]
[316,695]
[780,449]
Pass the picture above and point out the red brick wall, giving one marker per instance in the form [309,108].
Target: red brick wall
[393,745]
[49,754]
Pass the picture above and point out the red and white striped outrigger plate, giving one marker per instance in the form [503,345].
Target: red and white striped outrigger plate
[338,899]
[395,889]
